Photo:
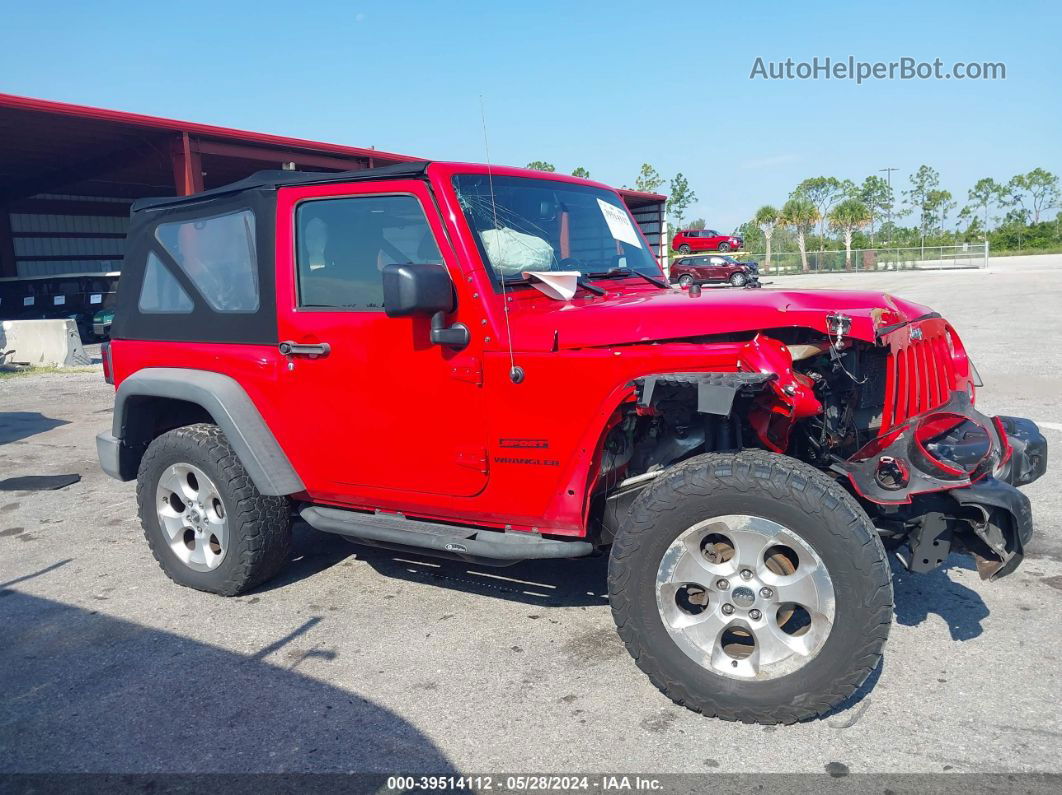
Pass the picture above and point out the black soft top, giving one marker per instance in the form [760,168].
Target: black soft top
[271,180]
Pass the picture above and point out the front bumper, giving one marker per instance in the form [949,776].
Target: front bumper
[985,501]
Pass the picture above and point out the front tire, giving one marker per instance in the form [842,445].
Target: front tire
[738,280]
[207,525]
[750,586]
[724,247]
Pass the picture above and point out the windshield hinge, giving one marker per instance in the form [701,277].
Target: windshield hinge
[469,370]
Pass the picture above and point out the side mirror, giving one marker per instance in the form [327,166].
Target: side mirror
[423,289]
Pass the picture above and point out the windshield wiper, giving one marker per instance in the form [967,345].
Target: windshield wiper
[628,272]
[582,282]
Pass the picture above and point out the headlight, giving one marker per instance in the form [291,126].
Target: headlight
[953,445]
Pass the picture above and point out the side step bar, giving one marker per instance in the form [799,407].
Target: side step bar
[475,545]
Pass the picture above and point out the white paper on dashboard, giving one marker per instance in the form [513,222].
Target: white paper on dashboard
[560,285]
[619,224]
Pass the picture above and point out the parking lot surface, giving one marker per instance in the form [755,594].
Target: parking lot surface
[364,660]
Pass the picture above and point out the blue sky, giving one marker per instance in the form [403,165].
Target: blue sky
[602,85]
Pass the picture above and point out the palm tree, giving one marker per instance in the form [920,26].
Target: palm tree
[802,215]
[767,218]
[848,216]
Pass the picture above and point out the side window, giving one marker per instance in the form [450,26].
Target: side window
[160,292]
[342,245]
[217,254]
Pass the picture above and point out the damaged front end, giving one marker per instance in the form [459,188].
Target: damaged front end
[934,473]
[947,478]
[885,405]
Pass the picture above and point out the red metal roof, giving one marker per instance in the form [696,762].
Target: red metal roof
[192,128]
[57,147]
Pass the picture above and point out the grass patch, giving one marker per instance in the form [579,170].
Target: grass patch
[1025,252]
[31,371]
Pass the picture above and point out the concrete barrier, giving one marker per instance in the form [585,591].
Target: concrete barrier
[42,343]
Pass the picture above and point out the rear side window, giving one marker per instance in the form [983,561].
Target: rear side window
[218,256]
[161,293]
[342,245]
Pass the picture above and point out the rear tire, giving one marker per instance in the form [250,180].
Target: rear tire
[685,280]
[684,249]
[207,525]
[679,635]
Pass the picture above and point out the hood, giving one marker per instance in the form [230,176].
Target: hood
[649,315]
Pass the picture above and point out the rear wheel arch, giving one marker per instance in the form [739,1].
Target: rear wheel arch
[155,400]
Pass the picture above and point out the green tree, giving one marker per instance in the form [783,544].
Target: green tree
[985,193]
[923,181]
[847,216]
[823,193]
[939,204]
[767,218]
[696,223]
[1036,191]
[876,194]
[649,179]
[581,172]
[541,165]
[681,197]
[801,214]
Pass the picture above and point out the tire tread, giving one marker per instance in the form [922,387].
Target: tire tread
[263,522]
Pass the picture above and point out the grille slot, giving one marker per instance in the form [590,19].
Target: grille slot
[920,376]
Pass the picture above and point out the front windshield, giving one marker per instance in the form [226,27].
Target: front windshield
[524,224]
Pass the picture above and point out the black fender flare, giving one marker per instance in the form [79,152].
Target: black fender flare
[232,410]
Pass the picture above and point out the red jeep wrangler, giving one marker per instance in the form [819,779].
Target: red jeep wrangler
[487,364]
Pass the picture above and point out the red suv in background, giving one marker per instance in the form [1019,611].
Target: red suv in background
[708,268]
[689,240]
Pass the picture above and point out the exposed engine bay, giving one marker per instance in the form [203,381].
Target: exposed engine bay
[892,420]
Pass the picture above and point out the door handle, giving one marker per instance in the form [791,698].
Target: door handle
[289,348]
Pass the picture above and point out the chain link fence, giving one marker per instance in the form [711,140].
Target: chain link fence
[971,255]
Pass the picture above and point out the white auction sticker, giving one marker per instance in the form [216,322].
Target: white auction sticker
[619,224]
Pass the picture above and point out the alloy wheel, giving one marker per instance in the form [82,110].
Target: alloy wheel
[193,517]
[745,597]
